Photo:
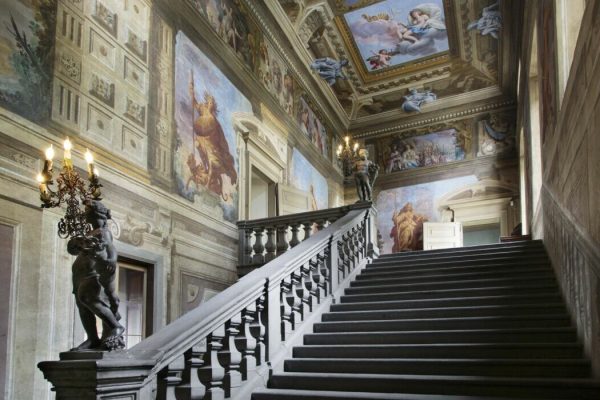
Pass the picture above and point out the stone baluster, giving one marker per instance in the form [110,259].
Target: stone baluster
[341,261]
[307,230]
[211,373]
[230,357]
[259,248]
[282,244]
[258,328]
[270,245]
[303,288]
[191,387]
[287,312]
[324,275]
[248,246]
[299,308]
[246,343]
[295,240]
[169,378]
[348,259]
[321,224]
[312,280]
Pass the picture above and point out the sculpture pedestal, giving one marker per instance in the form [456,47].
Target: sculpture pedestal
[94,375]
[81,355]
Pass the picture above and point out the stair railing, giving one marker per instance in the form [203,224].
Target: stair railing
[226,347]
[261,240]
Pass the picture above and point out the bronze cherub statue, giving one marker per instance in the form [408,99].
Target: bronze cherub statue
[94,272]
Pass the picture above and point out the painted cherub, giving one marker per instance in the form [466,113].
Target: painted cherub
[404,33]
[380,59]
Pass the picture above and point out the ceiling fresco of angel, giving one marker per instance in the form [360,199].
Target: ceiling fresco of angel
[395,32]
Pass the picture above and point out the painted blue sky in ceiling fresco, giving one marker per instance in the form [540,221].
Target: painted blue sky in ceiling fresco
[395,32]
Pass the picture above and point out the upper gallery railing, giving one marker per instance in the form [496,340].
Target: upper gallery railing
[222,348]
[261,240]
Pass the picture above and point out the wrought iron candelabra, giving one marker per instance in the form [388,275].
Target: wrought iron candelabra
[71,189]
[347,155]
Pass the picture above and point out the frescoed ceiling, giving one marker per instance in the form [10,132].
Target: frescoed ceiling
[443,46]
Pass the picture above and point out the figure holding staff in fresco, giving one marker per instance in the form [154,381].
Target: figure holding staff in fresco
[216,161]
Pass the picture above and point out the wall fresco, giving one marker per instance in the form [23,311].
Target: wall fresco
[403,210]
[206,105]
[312,127]
[424,151]
[232,22]
[305,177]
[27,56]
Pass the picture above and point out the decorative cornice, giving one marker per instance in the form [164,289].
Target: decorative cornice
[416,122]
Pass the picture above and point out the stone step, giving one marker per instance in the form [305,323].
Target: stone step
[536,252]
[523,246]
[446,312]
[521,321]
[450,284]
[449,302]
[366,279]
[443,268]
[531,388]
[371,274]
[529,289]
[443,350]
[294,394]
[459,261]
[516,335]
[565,368]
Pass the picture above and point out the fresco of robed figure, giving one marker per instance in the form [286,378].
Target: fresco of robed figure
[206,106]
[403,210]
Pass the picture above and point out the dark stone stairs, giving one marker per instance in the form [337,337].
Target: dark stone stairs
[476,323]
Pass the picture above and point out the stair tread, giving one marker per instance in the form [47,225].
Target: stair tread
[452,282]
[490,330]
[367,276]
[487,318]
[496,361]
[454,290]
[454,379]
[327,394]
[486,307]
[470,298]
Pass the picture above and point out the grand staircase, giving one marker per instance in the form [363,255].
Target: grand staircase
[484,322]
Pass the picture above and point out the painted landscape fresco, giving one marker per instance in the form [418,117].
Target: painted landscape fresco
[206,104]
[402,211]
[393,32]
[312,127]
[424,151]
[305,177]
[26,56]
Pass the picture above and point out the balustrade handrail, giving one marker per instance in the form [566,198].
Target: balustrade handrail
[172,340]
[299,217]
[216,348]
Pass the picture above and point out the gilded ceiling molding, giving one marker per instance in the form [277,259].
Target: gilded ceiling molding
[437,118]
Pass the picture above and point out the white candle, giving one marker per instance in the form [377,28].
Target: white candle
[50,153]
[89,158]
[67,146]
